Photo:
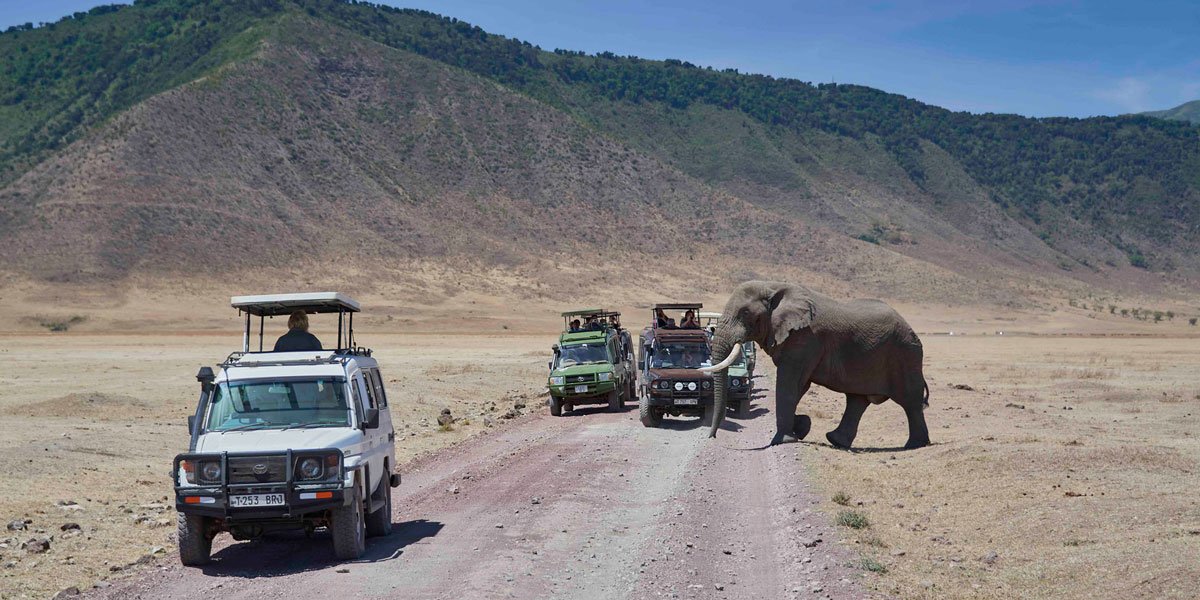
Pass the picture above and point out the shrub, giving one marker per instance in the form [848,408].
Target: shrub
[841,498]
[852,519]
[1192,321]
[61,324]
[872,565]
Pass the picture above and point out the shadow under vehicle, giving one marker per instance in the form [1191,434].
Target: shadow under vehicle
[288,440]
[593,364]
[668,361]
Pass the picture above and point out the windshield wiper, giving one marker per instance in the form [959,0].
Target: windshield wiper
[312,425]
[247,427]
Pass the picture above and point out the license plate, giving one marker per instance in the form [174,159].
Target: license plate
[581,389]
[253,500]
[687,401]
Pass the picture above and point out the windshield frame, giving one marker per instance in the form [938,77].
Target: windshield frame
[656,357]
[335,380]
[603,346]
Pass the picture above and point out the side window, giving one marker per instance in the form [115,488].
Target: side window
[358,404]
[377,383]
[362,376]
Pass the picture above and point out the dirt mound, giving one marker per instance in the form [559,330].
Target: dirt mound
[88,405]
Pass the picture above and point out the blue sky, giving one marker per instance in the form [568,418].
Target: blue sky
[1037,58]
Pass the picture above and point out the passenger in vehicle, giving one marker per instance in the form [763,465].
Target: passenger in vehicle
[297,338]
[591,324]
[689,360]
[689,320]
[575,326]
[660,318]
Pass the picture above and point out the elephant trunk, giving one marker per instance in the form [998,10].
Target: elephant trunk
[723,342]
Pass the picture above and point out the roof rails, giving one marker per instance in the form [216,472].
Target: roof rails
[678,306]
[274,359]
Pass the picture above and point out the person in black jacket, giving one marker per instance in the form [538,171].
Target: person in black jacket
[297,338]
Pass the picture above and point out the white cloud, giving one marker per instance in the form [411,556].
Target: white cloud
[1129,93]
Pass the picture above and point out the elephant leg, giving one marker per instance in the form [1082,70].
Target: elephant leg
[918,433]
[913,400]
[790,427]
[847,429]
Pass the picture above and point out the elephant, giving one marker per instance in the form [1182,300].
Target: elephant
[862,348]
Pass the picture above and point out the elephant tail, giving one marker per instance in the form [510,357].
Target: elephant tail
[926,385]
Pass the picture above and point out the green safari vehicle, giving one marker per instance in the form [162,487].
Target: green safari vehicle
[593,362]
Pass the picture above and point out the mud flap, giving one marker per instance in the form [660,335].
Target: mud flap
[394,480]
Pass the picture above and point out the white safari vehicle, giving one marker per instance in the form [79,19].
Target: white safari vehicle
[288,440]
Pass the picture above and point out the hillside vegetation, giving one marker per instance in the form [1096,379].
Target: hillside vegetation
[231,115]
[1188,111]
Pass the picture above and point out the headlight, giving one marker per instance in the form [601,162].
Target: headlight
[310,468]
[735,382]
[210,471]
[604,377]
[313,468]
[558,380]
[679,386]
[706,384]
[692,386]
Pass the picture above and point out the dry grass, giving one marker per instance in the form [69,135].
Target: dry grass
[1087,492]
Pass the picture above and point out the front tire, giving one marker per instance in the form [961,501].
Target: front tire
[349,529]
[555,407]
[379,523]
[647,414]
[195,545]
[614,401]
[743,408]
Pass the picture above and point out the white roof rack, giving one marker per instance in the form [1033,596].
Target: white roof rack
[270,305]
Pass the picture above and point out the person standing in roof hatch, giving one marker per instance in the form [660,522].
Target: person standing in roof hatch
[297,339]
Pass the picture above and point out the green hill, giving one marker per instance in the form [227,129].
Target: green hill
[1188,111]
[1085,198]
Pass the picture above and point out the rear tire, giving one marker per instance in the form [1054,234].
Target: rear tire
[614,401]
[647,414]
[555,407]
[379,523]
[195,545]
[349,529]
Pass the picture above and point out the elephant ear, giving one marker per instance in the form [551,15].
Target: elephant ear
[790,311]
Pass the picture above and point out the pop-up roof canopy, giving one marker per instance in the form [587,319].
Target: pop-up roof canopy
[274,305]
[598,313]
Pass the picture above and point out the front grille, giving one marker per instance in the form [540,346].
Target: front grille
[580,378]
[250,469]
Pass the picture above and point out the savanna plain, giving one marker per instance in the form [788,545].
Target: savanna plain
[1064,464]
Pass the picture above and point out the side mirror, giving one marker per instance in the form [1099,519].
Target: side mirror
[192,424]
[371,419]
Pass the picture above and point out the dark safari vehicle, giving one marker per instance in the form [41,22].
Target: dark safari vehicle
[672,348]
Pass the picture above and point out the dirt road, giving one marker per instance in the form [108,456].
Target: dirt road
[591,505]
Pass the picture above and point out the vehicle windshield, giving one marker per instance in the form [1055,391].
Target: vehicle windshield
[582,354]
[279,405]
[680,355]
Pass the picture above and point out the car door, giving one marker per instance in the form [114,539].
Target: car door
[375,443]
[386,430]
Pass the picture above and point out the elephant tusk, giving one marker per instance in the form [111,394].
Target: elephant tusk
[721,366]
